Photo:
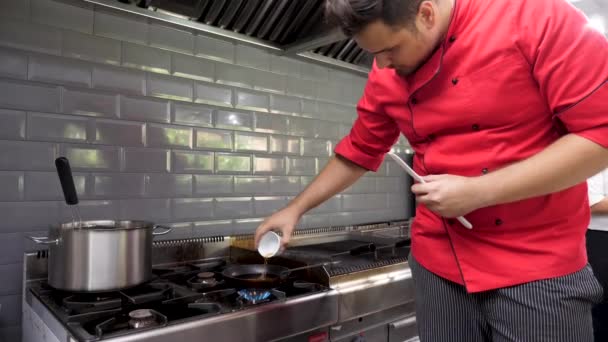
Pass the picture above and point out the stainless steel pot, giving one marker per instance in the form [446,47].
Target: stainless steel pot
[97,256]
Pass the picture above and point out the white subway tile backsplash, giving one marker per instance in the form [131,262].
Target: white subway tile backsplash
[30,36]
[206,185]
[216,49]
[168,185]
[252,57]
[251,185]
[251,142]
[284,145]
[232,163]
[13,124]
[14,63]
[251,100]
[246,226]
[332,205]
[285,66]
[193,115]
[234,75]
[327,129]
[364,201]
[193,67]
[113,24]
[213,139]
[52,127]
[11,276]
[336,112]
[121,80]
[192,209]
[271,123]
[264,206]
[171,38]
[390,184]
[392,169]
[11,183]
[11,304]
[269,165]
[302,127]
[330,92]
[117,132]
[212,228]
[234,120]
[155,210]
[268,81]
[12,249]
[314,72]
[284,185]
[212,94]
[99,158]
[301,87]
[233,207]
[71,16]
[301,166]
[125,185]
[285,104]
[59,70]
[93,210]
[146,58]
[92,48]
[145,160]
[29,96]
[310,109]
[15,8]
[45,186]
[397,201]
[25,155]
[192,162]
[170,87]
[144,109]
[315,147]
[363,185]
[22,216]
[89,103]
[168,136]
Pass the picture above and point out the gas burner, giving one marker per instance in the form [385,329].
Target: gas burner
[142,318]
[84,303]
[254,296]
[203,281]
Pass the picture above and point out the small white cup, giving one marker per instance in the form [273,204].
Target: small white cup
[269,245]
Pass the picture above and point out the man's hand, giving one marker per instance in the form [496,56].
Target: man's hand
[284,221]
[449,195]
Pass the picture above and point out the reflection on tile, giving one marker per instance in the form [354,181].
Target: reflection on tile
[146,160]
[251,185]
[120,26]
[252,100]
[117,132]
[25,155]
[89,103]
[284,185]
[214,49]
[144,109]
[194,115]
[326,129]
[234,120]
[271,123]
[213,139]
[206,185]
[251,142]
[269,165]
[212,228]
[118,185]
[45,186]
[164,185]
[314,147]
[168,136]
[285,104]
[56,127]
[155,210]
[246,226]
[193,67]
[169,38]
[88,47]
[284,145]
[302,127]
[13,124]
[301,166]
[11,183]
[232,163]
[146,58]
[96,158]
[169,87]
[125,81]
[264,206]
[192,162]
[233,207]
[213,94]
[192,209]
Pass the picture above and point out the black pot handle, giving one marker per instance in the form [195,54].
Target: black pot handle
[67,181]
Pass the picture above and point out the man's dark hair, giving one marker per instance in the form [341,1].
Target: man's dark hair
[354,15]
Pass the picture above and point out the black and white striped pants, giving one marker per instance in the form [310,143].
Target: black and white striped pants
[553,310]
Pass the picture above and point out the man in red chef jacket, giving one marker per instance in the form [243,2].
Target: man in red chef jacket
[505,104]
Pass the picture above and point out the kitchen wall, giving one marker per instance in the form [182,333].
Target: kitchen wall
[163,125]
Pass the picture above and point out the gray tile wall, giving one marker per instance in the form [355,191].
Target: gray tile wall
[164,125]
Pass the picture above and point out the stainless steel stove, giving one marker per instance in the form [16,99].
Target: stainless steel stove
[367,296]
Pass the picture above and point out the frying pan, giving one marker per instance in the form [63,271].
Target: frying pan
[262,276]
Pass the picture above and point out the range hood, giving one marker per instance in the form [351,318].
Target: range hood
[294,28]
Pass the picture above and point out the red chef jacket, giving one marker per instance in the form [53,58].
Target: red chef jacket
[511,77]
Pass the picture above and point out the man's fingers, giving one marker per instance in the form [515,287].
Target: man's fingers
[420,189]
[262,229]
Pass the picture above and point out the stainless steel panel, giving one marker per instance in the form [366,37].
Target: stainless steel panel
[404,329]
[382,319]
[375,334]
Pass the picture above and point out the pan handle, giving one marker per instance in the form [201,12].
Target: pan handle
[166,230]
[43,240]
[67,181]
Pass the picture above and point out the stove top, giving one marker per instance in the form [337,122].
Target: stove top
[177,294]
